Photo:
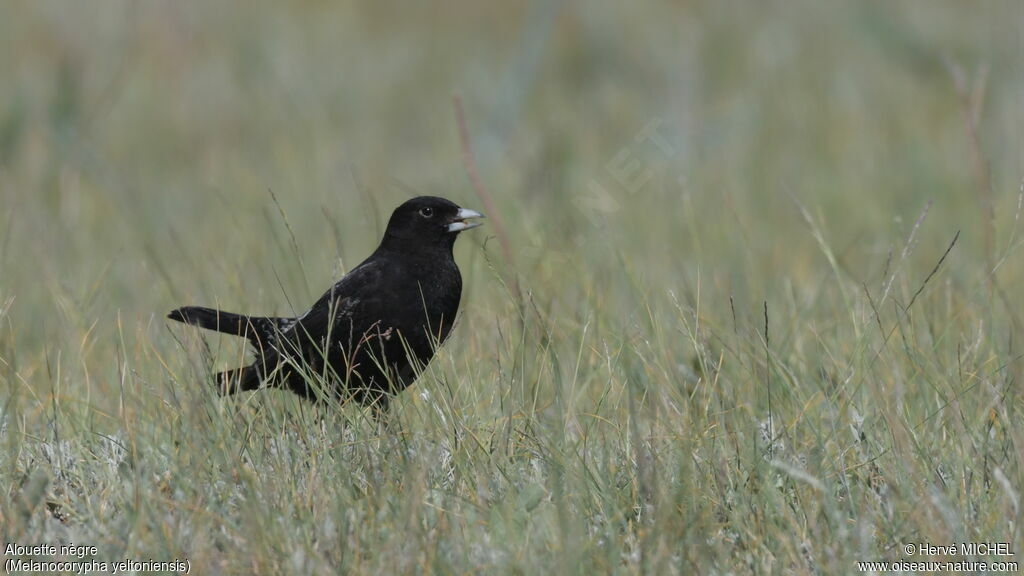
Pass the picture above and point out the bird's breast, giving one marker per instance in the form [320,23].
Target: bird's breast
[435,289]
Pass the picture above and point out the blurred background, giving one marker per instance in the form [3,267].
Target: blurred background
[140,143]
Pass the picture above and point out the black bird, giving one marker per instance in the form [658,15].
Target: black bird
[375,330]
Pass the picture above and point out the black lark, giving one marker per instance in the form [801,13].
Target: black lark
[375,330]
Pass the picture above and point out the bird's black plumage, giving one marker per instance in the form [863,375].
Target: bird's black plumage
[372,333]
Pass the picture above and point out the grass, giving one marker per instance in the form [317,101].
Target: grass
[754,309]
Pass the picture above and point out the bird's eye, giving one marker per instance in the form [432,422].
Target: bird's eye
[426,212]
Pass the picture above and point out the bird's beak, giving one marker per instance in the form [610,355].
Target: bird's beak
[460,224]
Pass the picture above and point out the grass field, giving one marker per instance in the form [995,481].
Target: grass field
[753,305]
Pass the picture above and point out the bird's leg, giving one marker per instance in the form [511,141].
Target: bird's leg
[228,382]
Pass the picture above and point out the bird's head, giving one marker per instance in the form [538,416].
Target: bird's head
[430,221]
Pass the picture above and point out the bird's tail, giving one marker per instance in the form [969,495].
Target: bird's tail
[259,330]
[238,380]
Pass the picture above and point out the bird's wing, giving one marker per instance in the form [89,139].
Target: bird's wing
[356,291]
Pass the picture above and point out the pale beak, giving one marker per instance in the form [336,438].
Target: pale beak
[460,223]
